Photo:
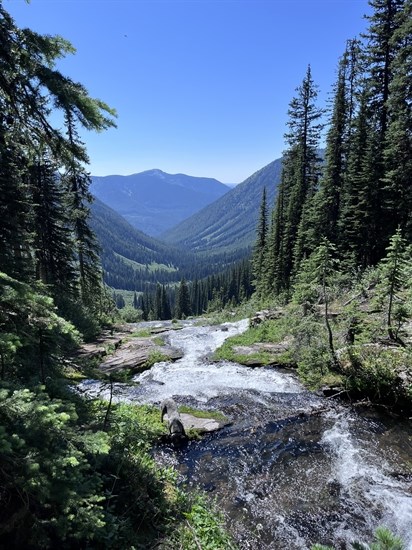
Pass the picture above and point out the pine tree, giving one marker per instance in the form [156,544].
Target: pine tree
[260,247]
[299,182]
[53,245]
[182,308]
[397,188]
[395,273]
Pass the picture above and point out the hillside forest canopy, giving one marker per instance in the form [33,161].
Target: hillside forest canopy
[341,223]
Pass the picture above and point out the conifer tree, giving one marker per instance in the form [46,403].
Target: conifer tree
[79,197]
[182,308]
[16,213]
[358,217]
[135,301]
[305,131]
[299,182]
[158,303]
[381,51]
[395,274]
[53,245]
[397,188]
[166,309]
[329,200]
[275,273]
[260,246]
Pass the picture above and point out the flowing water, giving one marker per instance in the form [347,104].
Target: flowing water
[293,468]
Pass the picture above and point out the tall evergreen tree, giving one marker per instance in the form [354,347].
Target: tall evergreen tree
[166,310]
[299,182]
[395,273]
[260,246]
[305,131]
[182,307]
[329,201]
[275,272]
[358,216]
[397,188]
[381,51]
[77,181]
[53,245]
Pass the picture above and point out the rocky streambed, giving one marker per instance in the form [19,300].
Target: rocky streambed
[292,468]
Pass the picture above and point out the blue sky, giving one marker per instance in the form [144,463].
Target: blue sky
[201,87]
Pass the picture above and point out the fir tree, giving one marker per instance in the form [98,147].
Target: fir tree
[380,52]
[182,308]
[260,246]
[395,273]
[299,182]
[397,188]
[360,198]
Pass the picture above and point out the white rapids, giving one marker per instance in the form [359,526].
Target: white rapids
[196,376]
[333,477]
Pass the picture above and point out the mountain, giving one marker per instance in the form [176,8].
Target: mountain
[132,260]
[154,201]
[228,224]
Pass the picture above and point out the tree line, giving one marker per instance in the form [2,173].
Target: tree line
[358,193]
[230,287]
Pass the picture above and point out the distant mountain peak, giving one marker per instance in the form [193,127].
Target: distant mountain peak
[229,223]
[154,201]
[154,172]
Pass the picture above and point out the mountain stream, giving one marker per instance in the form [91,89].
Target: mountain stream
[293,468]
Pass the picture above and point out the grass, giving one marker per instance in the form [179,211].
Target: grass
[273,331]
[214,415]
[183,520]
[155,356]
[154,266]
[142,333]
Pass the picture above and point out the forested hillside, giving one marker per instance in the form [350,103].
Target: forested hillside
[132,260]
[154,201]
[228,224]
[363,193]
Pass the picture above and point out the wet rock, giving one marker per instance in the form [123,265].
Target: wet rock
[136,353]
[101,346]
[160,330]
[201,425]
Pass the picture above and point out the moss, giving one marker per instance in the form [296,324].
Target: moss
[215,415]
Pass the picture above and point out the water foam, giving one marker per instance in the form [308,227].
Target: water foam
[365,479]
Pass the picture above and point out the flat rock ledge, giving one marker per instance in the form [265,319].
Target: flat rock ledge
[201,425]
[136,353]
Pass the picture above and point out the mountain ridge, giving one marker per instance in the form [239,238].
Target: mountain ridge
[154,201]
[228,223]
